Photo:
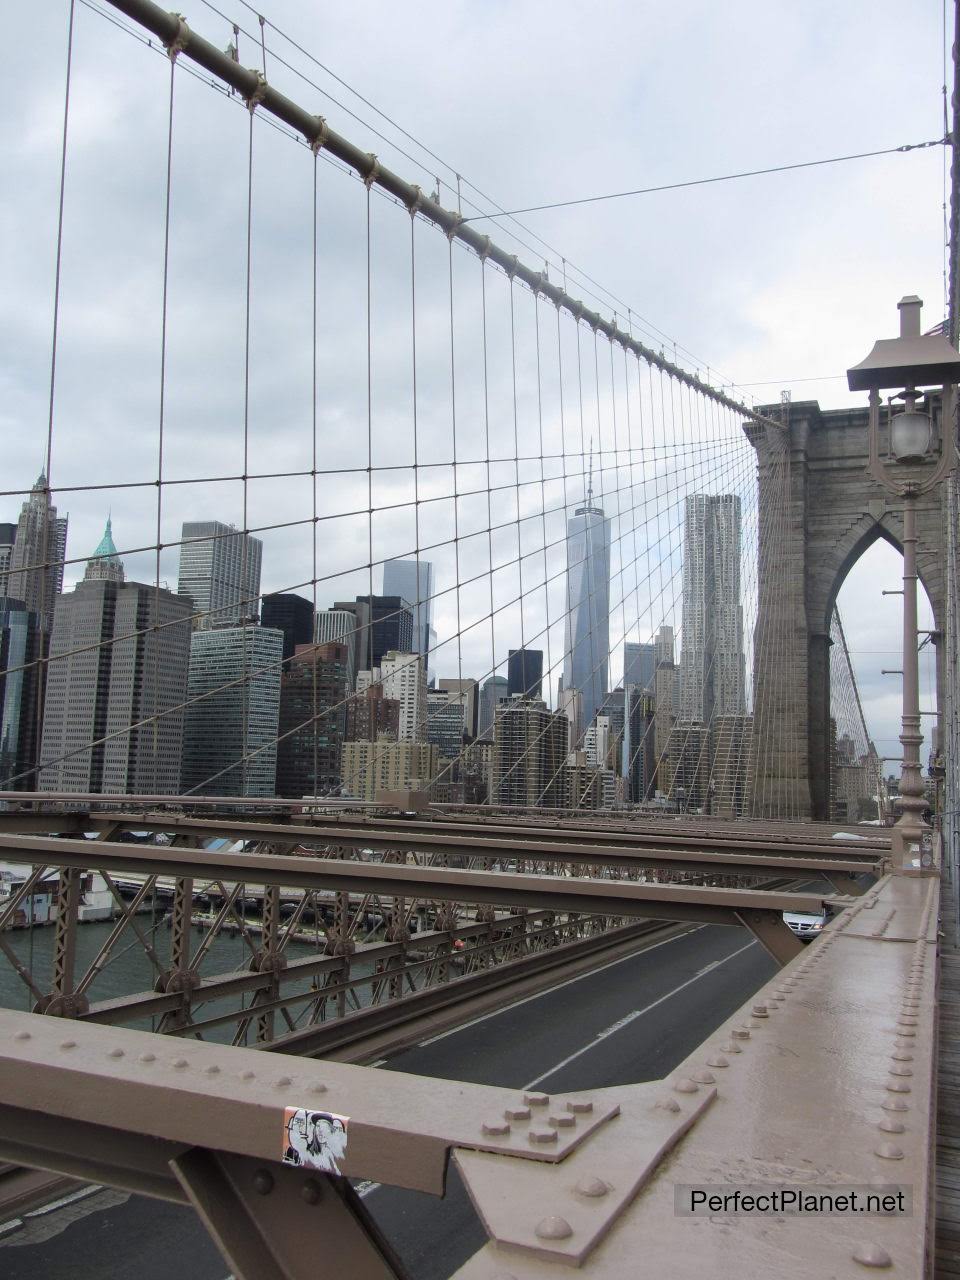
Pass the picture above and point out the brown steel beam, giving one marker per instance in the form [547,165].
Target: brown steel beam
[519,844]
[701,904]
[271,1224]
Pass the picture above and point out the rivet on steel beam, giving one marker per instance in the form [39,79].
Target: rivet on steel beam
[717,1060]
[760,1011]
[248,1075]
[889,1151]
[539,1136]
[282,1082]
[900,1056]
[906,1031]
[22,1035]
[310,1191]
[871,1255]
[753,1024]
[731,1047]
[536,1099]
[318,1088]
[495,1128]
[263,1182]
[148,1057]
[212,1070]
[740,1033]
[553,1228]
[517,1113]
[894,1104]
[115,1053]
[592,1187]
[891,1126]
[68,1044]
[668,1104]
[562,1120]
[898,1086]
[900,1070]
[579,1106]
[686,1086]
[179,1063]
[703,1077]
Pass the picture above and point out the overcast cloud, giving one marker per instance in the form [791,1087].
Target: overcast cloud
[782,281]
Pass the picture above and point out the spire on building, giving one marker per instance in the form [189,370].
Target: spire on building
[105,564]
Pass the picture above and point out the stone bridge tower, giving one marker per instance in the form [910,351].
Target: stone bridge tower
[819,511]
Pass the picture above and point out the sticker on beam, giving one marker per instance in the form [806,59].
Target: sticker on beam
[314,1139]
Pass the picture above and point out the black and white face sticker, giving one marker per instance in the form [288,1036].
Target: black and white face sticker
[314,1139]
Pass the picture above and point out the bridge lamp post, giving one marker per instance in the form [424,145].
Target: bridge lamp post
[910,363]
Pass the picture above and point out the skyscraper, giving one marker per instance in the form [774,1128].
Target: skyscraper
[404,680]
[19,650]
[8,534]
[712,658]
[492,691]
[587,643]
[35,574]
[390,628]
[529,751]
[230,732]
[639,664]
[291,614]
[118,658]
[312,715]
[413,580]
[525,672]
[344,624]
[219,572]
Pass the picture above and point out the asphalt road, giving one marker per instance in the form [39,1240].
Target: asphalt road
[630,1021]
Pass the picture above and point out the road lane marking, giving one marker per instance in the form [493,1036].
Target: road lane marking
[631,1017]
[495,1013]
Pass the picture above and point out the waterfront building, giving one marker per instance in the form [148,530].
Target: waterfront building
[372,767]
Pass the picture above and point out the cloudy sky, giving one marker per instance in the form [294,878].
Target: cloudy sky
[779,282]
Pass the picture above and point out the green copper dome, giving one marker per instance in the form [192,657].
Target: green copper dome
[105,564]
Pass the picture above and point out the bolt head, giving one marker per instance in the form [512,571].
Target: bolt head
[760,1011]
[263,1182]
[115,1053]
[888,1151]
[740,1033]
[579,1106]
[899,1070]
[899,1055]
[891,1126]
[898,1086]
[68,1044]
[282,1082]
[871,1255]
[562,1120]
[685,1085]
[536,1099]
[894,1104]
[592,1187]
[495,1128]
[22,1035]
[148,1057]
[717,1060]
[668,1104]
[703,1077]
[179,1064]
[731,1047]
[553,1228]
[310,1191]
[517,1113]
[542,1137]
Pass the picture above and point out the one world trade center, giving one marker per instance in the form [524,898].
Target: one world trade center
[587,642]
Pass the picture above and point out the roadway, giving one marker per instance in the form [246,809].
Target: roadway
[629,1021]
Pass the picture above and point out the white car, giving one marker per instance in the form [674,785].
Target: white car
[807,925]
